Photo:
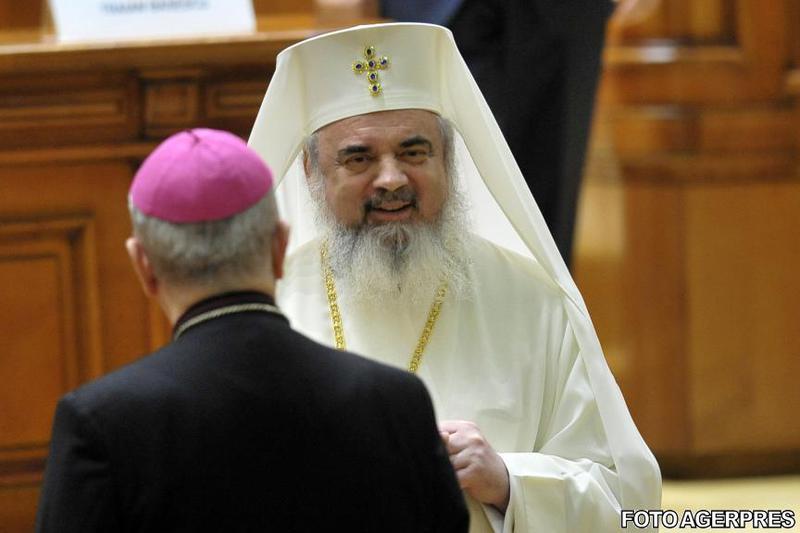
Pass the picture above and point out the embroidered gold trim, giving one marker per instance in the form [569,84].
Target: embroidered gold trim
[222,311]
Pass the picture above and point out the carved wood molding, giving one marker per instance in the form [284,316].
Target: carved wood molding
[60,345]
[792,82]
[67,110]
[108,115]
[704,99]
[235,99]
[695,144]
[47,57]
[663,53]
[183,98]
[170,106]
[739,60]
[133,151]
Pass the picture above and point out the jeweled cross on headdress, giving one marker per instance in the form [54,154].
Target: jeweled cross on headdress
[370,66]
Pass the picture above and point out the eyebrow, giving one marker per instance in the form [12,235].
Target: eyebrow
[415,140]
[363,149]
[352,149]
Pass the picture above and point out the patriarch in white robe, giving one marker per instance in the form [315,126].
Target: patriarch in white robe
[416,242]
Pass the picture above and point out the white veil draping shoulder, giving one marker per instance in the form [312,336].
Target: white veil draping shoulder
[314,85]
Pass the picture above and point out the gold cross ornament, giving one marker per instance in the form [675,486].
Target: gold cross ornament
[370,66]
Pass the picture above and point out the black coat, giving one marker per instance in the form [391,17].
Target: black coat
[242,424]
[537,62]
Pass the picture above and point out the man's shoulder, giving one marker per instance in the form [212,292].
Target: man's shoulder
[138,381]
[164,375]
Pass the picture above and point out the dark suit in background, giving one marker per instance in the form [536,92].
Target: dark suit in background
[242,424]
[537,62]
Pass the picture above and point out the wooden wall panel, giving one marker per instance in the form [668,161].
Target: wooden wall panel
[75,311]
[602,250]
[184,98]
[235,99]
[645,130]
[28,14]
[655,311]
[39,294]
[52,342]
[172,103]
[42,350]
[15,508]
[67,109]
[273,7]
[744,310]
[75,123]
[746,65]
[709,21]
[232,103]
[15,14]
[700,103]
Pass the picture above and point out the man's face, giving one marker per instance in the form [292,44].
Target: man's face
[383,167]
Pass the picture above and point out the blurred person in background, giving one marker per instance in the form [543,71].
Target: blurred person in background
[537,63]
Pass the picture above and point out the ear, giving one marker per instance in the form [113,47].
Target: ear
[306,164]
[142,267]
[280,238]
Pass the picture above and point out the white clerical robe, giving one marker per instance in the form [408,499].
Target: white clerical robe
[508,361]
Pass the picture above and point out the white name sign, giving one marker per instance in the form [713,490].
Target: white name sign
[93,20]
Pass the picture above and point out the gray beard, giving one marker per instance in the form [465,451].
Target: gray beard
[397,263]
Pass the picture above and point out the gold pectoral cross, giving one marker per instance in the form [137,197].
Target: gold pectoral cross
[370,66]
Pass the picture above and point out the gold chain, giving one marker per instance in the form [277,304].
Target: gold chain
[333,306]
[336,316]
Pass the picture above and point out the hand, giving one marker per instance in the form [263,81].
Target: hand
[481,472]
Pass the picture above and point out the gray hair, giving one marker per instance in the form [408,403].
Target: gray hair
[446,128]
[217,253]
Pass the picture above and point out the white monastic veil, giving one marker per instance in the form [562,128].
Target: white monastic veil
[309,89]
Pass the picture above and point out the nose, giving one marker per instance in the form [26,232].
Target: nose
[391,176]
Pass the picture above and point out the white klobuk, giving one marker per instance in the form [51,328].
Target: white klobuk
[520,358]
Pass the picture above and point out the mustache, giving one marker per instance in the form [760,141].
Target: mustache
[377,200]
